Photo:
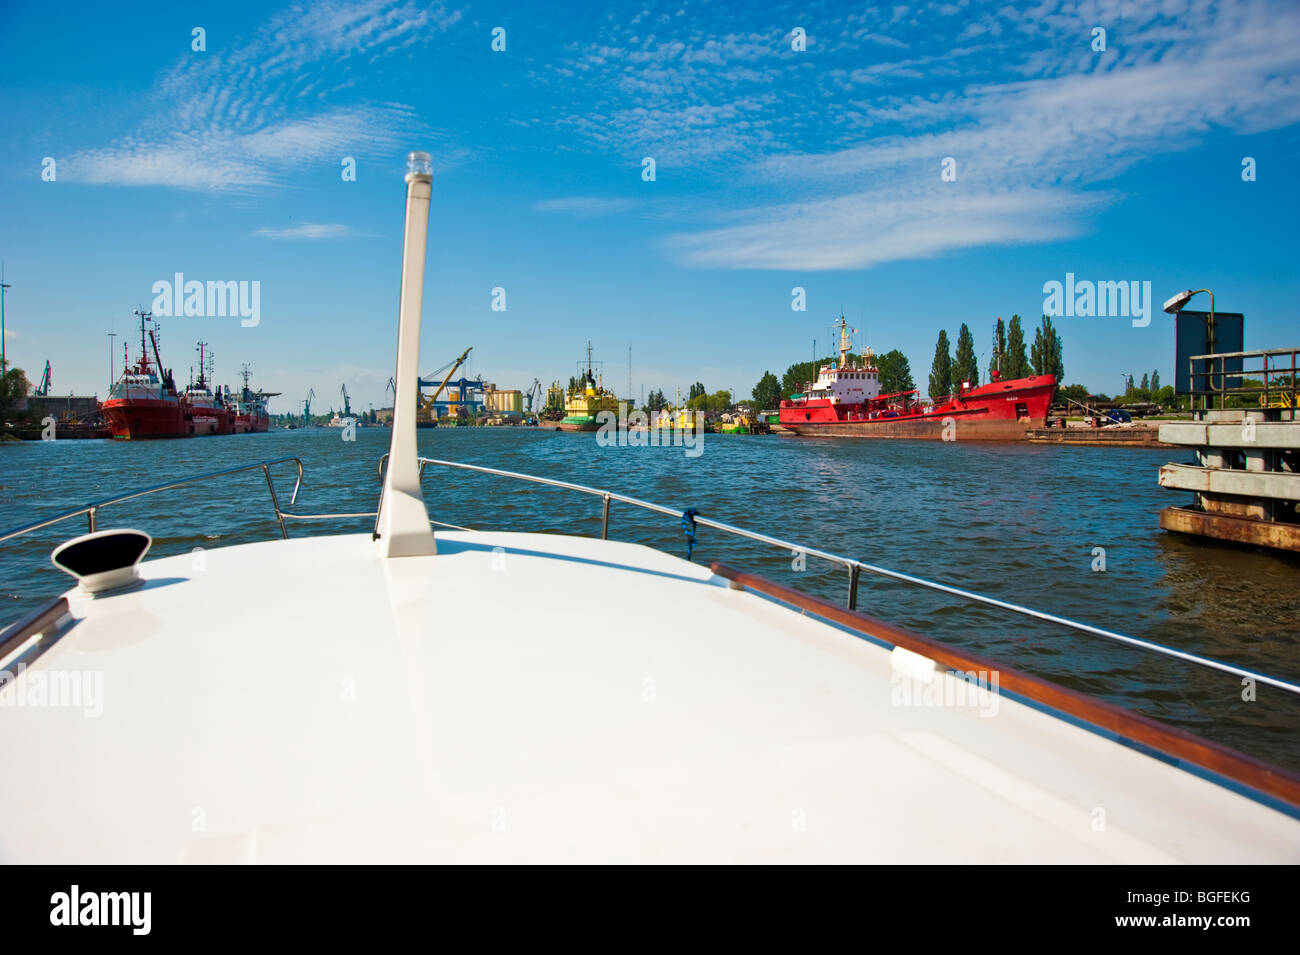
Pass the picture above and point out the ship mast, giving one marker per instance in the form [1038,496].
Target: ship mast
[143,368]
[845,344]
[202,379]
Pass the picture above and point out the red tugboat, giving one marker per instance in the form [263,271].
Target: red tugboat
[144,402]
[250,409]
[845,401]
[208,412]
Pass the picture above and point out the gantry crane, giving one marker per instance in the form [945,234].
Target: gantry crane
[306,406]
[347,405]
[427,405]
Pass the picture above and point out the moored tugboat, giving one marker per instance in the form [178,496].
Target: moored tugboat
[207,410]
[251,415]
[581,408]
[845,401]
[143,402]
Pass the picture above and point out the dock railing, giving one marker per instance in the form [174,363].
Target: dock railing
[1272,377]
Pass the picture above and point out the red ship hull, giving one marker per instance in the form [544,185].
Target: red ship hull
[208,419]
[999,411]
[250,424]
[137,418]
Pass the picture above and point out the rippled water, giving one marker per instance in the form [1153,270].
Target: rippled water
[1017,522]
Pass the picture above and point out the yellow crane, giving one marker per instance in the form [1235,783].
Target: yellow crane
[427,407]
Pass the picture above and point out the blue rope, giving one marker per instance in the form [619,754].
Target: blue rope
[688,528]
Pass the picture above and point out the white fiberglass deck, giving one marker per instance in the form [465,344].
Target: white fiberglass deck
[561,699]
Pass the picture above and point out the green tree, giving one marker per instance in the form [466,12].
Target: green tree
[941,368]
[1146,382]
[715,403]
[999,349]
[895,372]
[797,376]
[965,366]
[767,393]
[655,401]
[1155,381]
[1078,392]
[1016,364]
[14,387]
[1165,396]
[697,390]
[1046,351]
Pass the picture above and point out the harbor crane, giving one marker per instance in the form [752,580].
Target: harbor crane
[43,388]
[347,405]
[306,406]
[427,404]
[534,392]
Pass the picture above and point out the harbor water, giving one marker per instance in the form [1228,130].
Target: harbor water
[1068,530]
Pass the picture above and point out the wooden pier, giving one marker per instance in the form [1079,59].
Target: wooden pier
[1246,475]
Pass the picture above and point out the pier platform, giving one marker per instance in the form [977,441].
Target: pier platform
[1245,478]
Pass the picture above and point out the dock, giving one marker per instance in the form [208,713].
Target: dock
[1117,436]
[1246,475]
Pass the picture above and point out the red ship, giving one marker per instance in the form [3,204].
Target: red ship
[143,402]
[209,412]
[250,414]
[845,401]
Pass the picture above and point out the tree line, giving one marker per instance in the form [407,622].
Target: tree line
[1044,357]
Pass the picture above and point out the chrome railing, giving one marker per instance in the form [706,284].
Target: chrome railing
[855,568]
[91,510]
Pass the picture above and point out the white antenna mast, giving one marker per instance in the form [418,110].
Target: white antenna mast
[402,529]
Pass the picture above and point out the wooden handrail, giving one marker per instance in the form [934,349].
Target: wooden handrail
[1173,743]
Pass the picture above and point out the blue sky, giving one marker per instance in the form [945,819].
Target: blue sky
[775,168]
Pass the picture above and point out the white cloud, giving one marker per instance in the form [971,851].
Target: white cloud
[585,207]
[835,159]
[306,230]
[862,229]
[222,120]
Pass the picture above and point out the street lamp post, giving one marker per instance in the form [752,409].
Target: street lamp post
[4,286]
[111,336]
[1175,305]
